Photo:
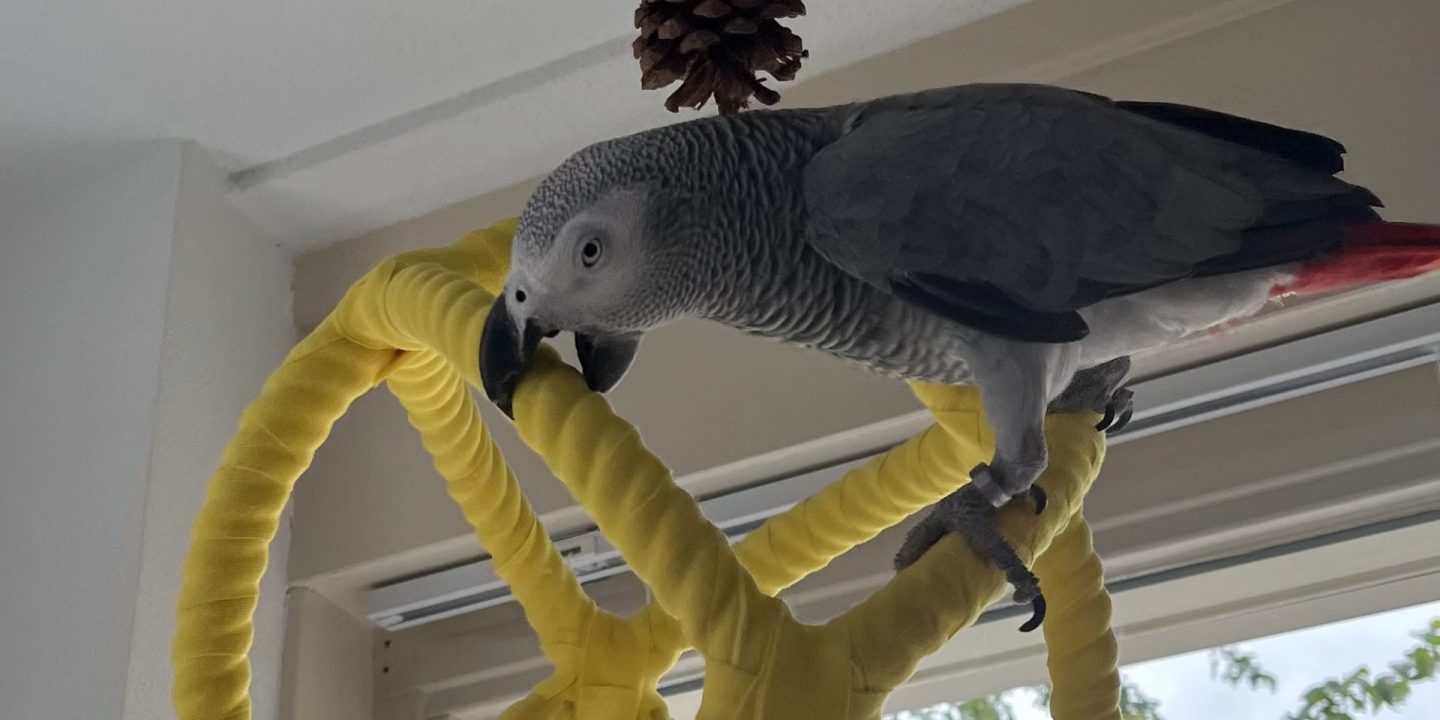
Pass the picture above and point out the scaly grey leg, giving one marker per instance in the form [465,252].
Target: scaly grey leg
[1014,388]
[970,511]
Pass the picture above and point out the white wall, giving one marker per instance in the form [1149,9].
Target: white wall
[331,657]
[139,313]
[83,275]
[227,325]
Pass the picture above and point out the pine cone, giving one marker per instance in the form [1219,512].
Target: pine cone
[716,47]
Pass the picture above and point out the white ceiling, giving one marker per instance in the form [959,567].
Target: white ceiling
[339,116]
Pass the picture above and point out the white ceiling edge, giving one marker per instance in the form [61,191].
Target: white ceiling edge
[518,127]
[443,161]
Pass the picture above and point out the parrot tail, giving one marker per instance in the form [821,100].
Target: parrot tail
[1371,252]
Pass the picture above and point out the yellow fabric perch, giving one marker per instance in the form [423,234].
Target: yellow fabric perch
[760,661]
[415,321]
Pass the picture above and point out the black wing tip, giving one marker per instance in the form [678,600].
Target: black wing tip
[1314,151]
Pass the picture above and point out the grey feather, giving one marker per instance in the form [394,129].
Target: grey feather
[1026,203]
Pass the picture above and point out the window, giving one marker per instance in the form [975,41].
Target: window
[1295,675]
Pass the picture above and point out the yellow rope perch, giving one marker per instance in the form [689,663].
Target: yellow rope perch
[414,321]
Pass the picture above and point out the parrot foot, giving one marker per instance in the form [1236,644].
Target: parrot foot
[969,513]
[1098,389]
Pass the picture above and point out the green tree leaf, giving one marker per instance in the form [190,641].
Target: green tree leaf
[1135,704]
[1237,668]
[1358,693]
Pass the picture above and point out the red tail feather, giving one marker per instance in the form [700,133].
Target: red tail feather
[1373,252]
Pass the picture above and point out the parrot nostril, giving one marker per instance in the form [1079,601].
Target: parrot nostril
[520,296]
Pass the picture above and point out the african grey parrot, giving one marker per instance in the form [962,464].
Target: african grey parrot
[1005,235]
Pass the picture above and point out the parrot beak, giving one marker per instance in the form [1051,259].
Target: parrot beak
[505,353]
[604,359]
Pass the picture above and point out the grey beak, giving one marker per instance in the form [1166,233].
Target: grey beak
[505,353]
[604,359]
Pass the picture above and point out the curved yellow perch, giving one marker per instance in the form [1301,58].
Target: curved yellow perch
[414,321]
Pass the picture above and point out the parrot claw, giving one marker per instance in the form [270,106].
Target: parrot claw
[1098,389]
[1120,408]
[1037,614]
[1038,496]
[969,512]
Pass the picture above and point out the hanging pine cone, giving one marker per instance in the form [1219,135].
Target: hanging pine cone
[716,47]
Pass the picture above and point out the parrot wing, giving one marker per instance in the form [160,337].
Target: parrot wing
[1010,207]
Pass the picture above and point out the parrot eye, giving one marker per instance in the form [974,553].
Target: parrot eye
[590,252]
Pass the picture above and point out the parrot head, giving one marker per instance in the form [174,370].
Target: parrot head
[593,256]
